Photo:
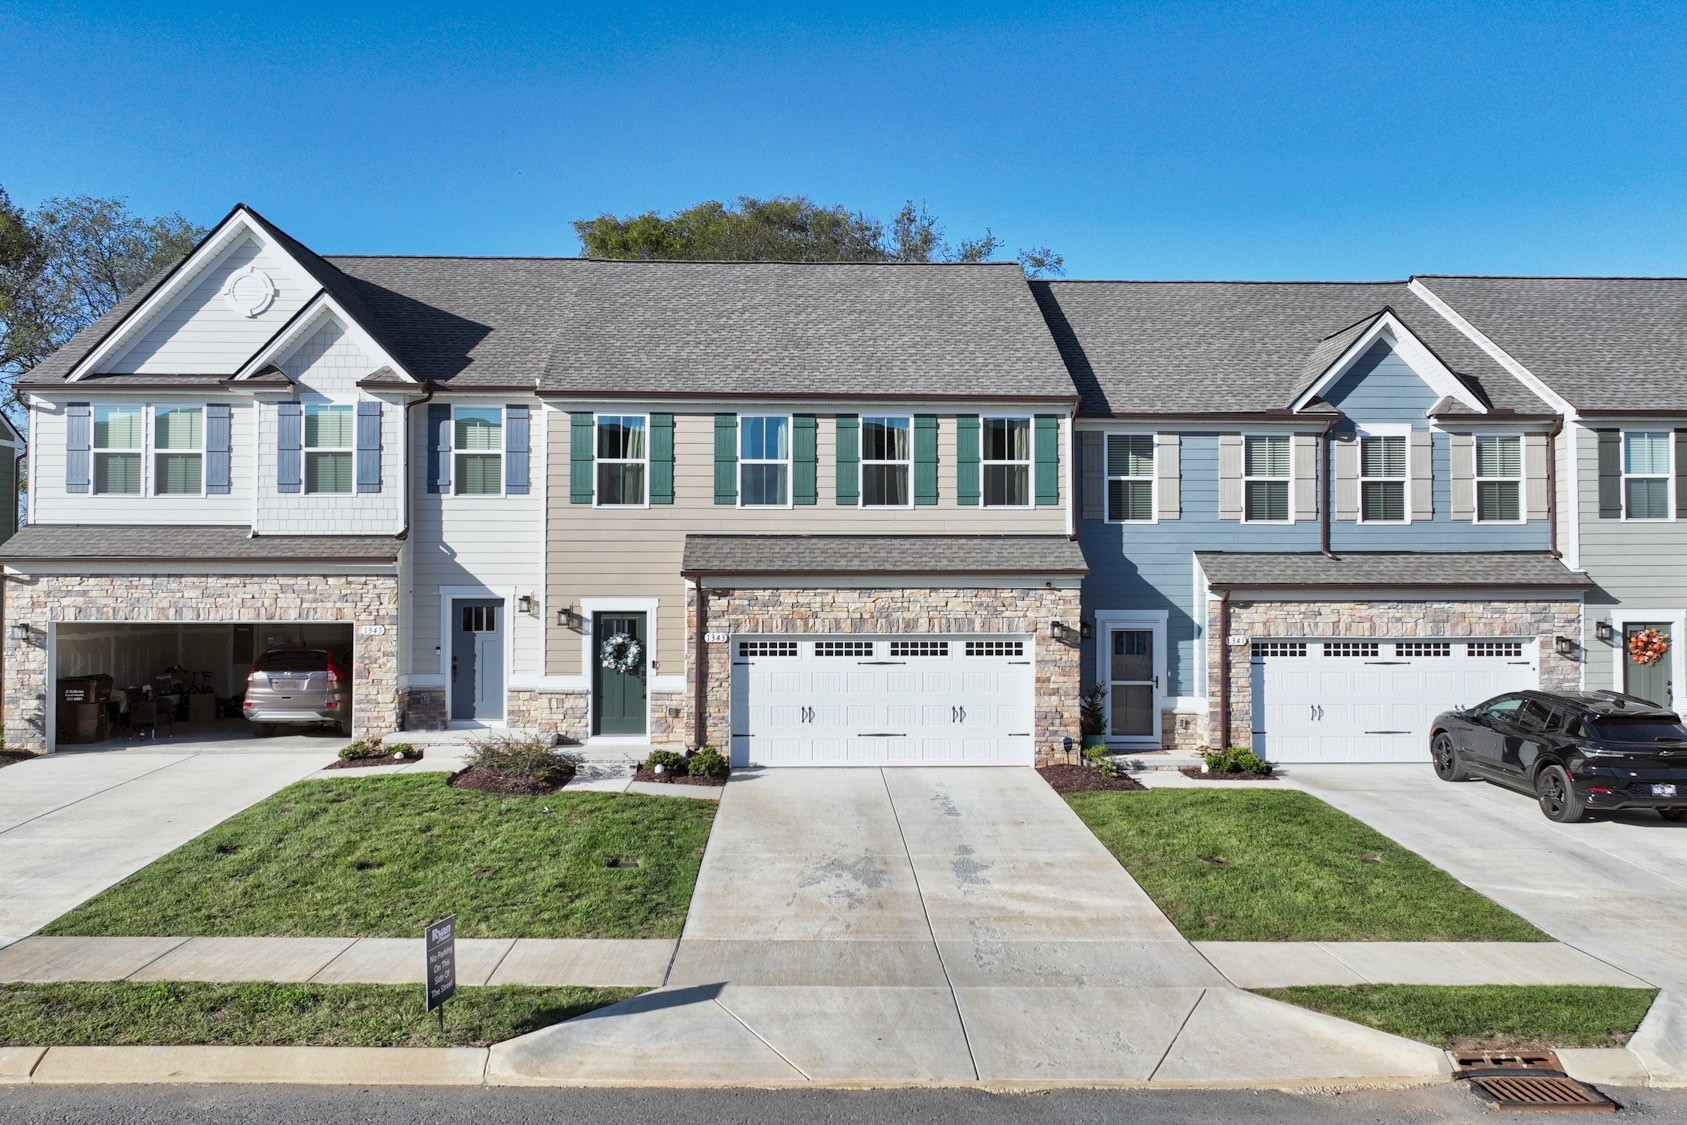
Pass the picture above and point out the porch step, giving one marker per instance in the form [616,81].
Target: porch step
[1159,760]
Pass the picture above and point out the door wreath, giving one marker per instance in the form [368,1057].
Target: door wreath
[620,652]
[1647,646]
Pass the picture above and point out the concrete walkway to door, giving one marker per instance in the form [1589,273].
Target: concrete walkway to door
[931,925]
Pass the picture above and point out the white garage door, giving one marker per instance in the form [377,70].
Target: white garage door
[927,700]
[1372,701]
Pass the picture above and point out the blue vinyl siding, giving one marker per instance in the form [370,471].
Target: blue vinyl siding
[1382,387]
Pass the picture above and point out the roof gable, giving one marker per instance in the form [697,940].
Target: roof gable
[1358,341]
[322,309]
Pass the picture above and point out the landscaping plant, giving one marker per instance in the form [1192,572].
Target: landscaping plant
[1236,759]
[1092,715]
[1101,760]
[708,762]
[363,748]
[528,758]
[671,761]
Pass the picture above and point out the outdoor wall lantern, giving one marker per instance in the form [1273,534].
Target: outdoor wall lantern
[524,603]
[1065,634]
[569,619]
[20,630]
[1566,646]
[1602,630]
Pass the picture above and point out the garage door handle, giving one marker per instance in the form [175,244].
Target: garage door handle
[883,734]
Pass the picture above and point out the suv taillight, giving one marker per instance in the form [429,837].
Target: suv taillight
[333,676]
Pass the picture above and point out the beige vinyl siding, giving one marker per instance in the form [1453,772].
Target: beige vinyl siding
[636,553]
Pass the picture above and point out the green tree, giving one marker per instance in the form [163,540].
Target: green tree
[792,229]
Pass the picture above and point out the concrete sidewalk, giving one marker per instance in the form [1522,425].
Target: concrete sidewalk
[1284,964]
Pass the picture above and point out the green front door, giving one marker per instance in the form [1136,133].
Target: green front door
[1649,681]
[618,695]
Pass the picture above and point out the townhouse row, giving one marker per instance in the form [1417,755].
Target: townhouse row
[856,513]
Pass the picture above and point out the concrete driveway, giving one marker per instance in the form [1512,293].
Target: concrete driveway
[75,822]
[1615,888]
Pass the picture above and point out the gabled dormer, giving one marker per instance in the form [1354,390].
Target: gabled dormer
[1378,367]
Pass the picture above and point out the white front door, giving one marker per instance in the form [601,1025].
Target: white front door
[1132,667]
[1373,700]
[882,700]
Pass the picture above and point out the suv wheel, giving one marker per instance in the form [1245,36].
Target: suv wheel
[1448,767]
[1559,799]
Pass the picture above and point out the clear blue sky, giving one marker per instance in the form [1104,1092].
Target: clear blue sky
[1141,140]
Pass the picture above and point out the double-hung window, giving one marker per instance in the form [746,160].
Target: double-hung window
[1265,478]
[622,459]
[887,460]
[330,447]
[119,437]
[764,461]
[178,443]
[1130,478]
[1646,473]
[1382,478]
[1006,457]
[1499,478]
[477,444]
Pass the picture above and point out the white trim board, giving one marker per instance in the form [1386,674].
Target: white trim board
[305,324]
[1428,367]
[1156,622]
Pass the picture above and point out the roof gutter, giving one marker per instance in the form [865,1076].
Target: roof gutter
[1383,582]
[802,395]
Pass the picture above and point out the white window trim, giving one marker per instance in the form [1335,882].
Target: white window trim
[1476,479]
[1029,462]
[140,450]
[305,449]
[1156,621]
[861,464]
[789,461]
[645,460]
[1624,476]
[1107,477]
[503,452]
[151,467]
[1360,434]
[1288,479]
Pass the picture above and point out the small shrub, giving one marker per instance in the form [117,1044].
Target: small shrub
[404,750]
[671,761]
[1236,759]
[1101,760]
[708,762]
[528,759]
[1092,711]
[363,748]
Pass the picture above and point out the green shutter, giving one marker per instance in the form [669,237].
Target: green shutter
[580,457]
[925,459]
[966,460]
[849,459]
[1048,458]
[661,458]
[726,458]
[805,460]
[1610,474]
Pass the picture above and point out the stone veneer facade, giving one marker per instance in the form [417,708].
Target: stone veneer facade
[43,600]
[1542,619]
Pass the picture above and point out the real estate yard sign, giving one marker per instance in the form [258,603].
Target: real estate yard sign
[441,940]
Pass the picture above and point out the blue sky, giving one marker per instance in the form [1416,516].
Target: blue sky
[1141,140]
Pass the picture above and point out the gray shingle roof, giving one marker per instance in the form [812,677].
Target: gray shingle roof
[1164,347]
[781,328]
[1604,343]
[882,554]
[40,542]
[1387,568]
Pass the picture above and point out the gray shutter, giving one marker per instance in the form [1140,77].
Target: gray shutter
[1534,476]
[1681,474]
[368,447]
[1229,476]
[1094,446]
[1610,474]
[439,447]
[1347,477]
[289,441]
[1420,466]
[78,437]
[219,439]
[1463,453]
[517,444]
[1168,467]
[1303,463]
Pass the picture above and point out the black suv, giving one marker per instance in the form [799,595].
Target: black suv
[1577,751]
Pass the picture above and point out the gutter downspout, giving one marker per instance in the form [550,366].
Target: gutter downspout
[1223,670]
[699,666]
[409,469]
[1552,486]
[1324,488]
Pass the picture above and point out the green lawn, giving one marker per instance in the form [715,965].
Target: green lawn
[120,1013]
[1281,865]
[383,856]
[1485,1016]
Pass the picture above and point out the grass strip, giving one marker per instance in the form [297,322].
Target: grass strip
[384,856]
[129,1013]
[1281,865]
[1484,1016]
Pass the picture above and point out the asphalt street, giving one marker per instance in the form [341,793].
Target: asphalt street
[294,1105]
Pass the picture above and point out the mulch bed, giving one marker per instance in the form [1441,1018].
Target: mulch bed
[483,780]
[1195,772]
[360,763]
[645,773]
[13,757]
[1084,779]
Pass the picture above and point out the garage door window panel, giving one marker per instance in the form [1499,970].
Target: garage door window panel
[764,461]
[1647,472]
[119,436]
[1382,478]
[887,459]
[1499,479]
[178,450]
[478,444]
[1006,448]
[622,460]
[330,446]
[1130,478]
[1266,479]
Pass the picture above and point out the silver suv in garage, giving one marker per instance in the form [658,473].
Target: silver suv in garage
[299,687]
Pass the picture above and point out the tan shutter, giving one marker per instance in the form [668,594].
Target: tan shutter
[1168,467]
[1534,476]
[1419,465]
[1346,458]
[1095,480]
[1305,448]
[1229,476]
[1463,448]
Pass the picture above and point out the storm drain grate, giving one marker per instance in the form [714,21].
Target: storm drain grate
[1526,1081]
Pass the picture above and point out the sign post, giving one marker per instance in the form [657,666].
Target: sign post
[441,952]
